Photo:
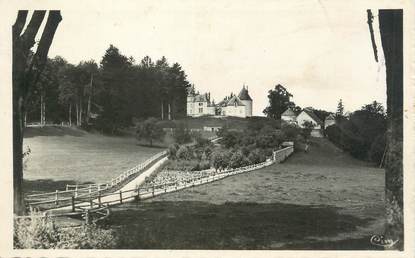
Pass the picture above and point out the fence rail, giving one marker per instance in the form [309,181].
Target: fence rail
[96,196]
[62,198]
[150,191]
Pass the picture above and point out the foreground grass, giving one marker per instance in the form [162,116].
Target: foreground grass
[323,199]
[61,156]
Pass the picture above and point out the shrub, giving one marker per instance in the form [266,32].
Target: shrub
[290,131]
[220,159]
[256,157]
[237,160]
[173,150]
[184,152]
[150,130]
[39,232]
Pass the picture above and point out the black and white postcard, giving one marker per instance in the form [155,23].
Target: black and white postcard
[200,128]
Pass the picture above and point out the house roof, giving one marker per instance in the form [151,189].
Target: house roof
[288,112]
[313,116]
[330,117]
[233,100]
[244,95]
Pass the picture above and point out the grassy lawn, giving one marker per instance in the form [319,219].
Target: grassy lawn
[61,156]
[323,199]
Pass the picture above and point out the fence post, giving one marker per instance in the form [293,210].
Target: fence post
[99,199]
[152,190]
[57,197]
[138,194]
[90,197]
[120,197]
[76,190]
[87,219]
[73,203]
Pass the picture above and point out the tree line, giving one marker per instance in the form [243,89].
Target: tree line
[362,133]
[108,96]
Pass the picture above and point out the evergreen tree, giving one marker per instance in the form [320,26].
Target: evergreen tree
[113,97]
[340,109]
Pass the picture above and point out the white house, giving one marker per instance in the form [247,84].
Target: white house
[239,106]
[199,105]
[289,116]
[306,114]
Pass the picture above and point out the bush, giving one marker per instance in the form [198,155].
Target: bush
[237,160]
[184,152]
[173,148]
[220,159]
[150,130]
[290,131]
[39,232]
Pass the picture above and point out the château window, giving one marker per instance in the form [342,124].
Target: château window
[200,110]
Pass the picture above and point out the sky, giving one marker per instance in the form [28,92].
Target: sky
[319,50]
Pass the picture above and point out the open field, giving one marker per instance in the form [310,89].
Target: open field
[61,155]
[323,199]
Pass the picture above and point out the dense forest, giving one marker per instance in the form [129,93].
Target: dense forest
[110,95]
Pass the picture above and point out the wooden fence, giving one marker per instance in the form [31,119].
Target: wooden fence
[64,198]
[140,193]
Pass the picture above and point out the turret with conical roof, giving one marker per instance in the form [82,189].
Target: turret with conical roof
[246,100]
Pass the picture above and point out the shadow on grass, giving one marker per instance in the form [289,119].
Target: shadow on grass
[46,185]
[52,131]
[200,225]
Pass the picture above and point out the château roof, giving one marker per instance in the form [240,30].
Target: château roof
[244,95]
[233,100]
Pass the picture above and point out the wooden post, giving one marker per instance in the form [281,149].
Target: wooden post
[73,203]
[165,188]
[99,199]
[152,190]
[76,190]
[138,194]
[87,217]
[120,197]
[57,197]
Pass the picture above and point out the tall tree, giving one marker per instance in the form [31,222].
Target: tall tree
[340,109]
[115,94]
[279,101]
[391,32]
[26,72]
